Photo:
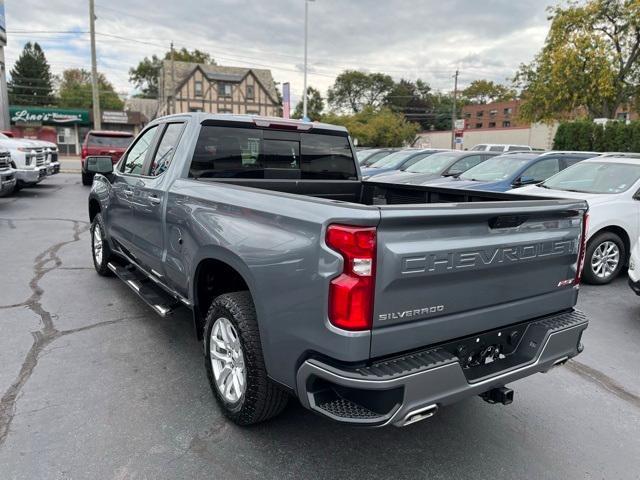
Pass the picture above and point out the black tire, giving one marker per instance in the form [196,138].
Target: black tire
[87,179]
[589,274]
[100,266]
[262,399]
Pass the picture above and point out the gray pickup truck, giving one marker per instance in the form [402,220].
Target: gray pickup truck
[374,304]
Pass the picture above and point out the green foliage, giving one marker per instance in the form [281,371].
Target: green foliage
[377,128]
[31,80]
[486,91]
[590,60]
[353,91]
[75,91]
[315,105]
[585,135]
[145,76]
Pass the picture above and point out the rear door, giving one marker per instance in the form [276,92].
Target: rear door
[149,200]
[447,271]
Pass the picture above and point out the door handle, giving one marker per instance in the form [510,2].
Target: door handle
[155,200]
[128,193]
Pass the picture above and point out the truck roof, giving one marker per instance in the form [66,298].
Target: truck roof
[257,119]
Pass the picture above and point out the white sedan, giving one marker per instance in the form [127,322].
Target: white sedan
[610,185]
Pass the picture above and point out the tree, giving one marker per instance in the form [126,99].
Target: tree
[377,128]
[315,105]
[590,61]
[145,75]
[75,91]
[31,81]
[486,91]
[354,90]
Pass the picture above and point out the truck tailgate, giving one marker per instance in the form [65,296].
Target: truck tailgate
[446,271]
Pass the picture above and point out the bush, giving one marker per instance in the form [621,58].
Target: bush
[585,135]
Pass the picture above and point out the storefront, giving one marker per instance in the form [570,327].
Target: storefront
[61,126]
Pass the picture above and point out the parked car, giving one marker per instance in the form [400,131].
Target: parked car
[103,142]
[500,147]
[515,170]
[610,185]
[436,166]
[371,156]
[28,159]
[7,173]
[306,281]
[397,160]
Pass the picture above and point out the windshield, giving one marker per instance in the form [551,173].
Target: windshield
[364,154]
[395,159]
[433,164]
[495,169]
[595,177]
[371,159]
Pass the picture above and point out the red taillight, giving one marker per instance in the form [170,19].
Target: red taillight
[351,293]
[583,248]
[85,153]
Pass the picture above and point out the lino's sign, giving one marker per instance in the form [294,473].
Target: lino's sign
[48,116]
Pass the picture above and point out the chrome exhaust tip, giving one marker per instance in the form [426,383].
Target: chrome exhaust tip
[419,414]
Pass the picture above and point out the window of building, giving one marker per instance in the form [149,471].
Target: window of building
[492,124]
[132,165]
[224,89]
[250,92]
[478,125]
[479,113]
[622,116]
[493,113]
[225,110]
[166,149]
[195,109]
[198,88]
[467,115]
[508,111]
[225,152]
[506,124]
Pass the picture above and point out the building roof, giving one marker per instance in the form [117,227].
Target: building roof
[183,70]
[147,106]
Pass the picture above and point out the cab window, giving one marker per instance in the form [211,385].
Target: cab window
[134,160]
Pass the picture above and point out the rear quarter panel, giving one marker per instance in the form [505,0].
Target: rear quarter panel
[276,242]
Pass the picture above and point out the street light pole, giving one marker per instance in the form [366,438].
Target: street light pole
[306,35]
[453,111]
[97,124]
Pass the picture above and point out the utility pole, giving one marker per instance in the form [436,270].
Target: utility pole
[453,110]
[172,97]
[4,96]
[97,123]
[306,37]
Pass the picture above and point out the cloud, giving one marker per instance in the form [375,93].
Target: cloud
[426,39]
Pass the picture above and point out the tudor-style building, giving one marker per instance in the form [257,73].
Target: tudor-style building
[193,87]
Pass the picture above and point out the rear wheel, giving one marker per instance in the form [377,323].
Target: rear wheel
[87,179]
[235,364]
[605,257]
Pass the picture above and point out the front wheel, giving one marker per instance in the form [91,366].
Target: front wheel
[235,364]
[605,257]
[100,250]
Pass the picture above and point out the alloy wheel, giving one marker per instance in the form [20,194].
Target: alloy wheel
[605,259]
[227,361]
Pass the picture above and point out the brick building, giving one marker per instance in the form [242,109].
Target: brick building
[493,115]
[192,87]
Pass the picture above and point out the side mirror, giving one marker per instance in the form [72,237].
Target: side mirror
[522,181]
[99,164]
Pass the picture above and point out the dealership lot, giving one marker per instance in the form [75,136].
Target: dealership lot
[94,385]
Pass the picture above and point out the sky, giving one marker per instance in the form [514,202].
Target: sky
[427,39]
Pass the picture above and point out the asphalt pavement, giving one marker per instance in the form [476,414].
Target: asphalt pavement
[94,385]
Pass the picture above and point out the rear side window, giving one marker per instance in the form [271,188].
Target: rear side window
[496,149]
[466,163]
[230,152]
[115,141]
[516,148]
[166,149]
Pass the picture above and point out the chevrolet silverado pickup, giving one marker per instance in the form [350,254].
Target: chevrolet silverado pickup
[372,303]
